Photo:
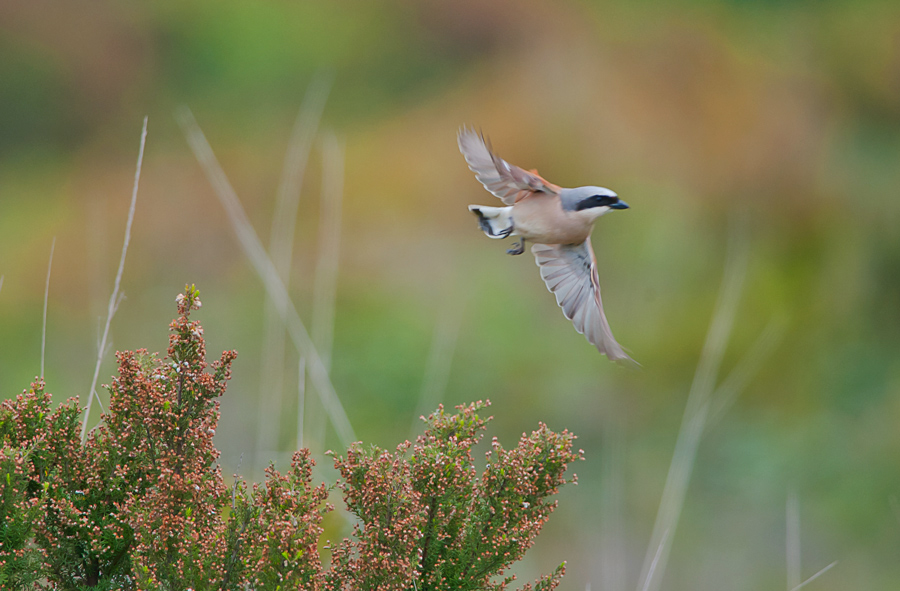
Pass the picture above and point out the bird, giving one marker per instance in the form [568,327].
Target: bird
[558,222]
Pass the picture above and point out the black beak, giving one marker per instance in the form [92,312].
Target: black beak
[619,205]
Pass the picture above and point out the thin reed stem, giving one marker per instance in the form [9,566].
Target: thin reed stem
[655,562]
[440,359]
[267,273]
[695,415]
[792,539]
[281,249]
[326,273]
[749,365]
[114,298]
[325,280]
[46,297]
[612,503]
[301,399]
[815,576]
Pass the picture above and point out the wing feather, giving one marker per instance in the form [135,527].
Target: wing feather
[570,272]
[506,181]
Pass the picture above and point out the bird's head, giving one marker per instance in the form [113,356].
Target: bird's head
[593,201]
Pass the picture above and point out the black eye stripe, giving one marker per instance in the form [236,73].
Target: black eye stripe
[607,200]
[596,201]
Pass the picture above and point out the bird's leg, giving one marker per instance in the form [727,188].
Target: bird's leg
[518,247]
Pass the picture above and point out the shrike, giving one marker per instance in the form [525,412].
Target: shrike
[558,222]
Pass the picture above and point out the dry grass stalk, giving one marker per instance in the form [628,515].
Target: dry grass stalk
[267,272]
[695,415]
[281,248]
[440,358]
[747,368]
[114,298]
[792,539]
[613,557]
[814,577]
[326,273]
[46,297]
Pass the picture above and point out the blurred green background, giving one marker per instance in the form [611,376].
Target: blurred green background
[785,115]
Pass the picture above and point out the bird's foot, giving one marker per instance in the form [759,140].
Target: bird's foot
[518,248]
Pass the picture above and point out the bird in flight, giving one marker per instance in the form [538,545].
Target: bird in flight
[558,223]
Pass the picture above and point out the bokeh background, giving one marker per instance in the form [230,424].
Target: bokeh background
[777,119]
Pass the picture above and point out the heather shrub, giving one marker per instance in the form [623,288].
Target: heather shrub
[142,504]
[426,516]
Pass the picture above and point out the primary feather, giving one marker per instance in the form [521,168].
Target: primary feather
[504,180]
[570,272]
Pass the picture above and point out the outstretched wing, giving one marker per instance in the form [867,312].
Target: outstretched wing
[570,272]
[504,180]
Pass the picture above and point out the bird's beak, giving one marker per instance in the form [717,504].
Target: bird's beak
[620,205]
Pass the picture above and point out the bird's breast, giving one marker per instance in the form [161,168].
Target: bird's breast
[542,219]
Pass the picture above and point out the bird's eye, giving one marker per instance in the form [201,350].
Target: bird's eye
[606,200]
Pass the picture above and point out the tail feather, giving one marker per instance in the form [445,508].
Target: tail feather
[496,222]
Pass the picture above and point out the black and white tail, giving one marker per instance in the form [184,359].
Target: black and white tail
[496,222]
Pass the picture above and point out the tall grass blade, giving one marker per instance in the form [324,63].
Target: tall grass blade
[267,272]
[612,504]
[46,297]
[747,368]
[301,399]
[695,414]
[815,576]
[114,298]
[792,539]
[326,273]
[325,279]
[655,562]
[440,359]
[281,249]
